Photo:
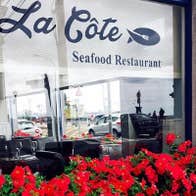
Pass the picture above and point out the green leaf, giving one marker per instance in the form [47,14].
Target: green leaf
[71,167]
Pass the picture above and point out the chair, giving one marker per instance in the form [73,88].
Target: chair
[53,147]
[26,145]
[4,149]
[12,151]
[51,163]
[88,148]
[152,145]
[67,147]
[41,142]
[14,146]
[64,148]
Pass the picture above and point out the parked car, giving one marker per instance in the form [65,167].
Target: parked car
[144,124]
[29,127]
[101,126]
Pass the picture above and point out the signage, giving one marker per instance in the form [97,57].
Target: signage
[141,35]
[103,39]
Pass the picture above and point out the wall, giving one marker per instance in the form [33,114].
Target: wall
[194,71]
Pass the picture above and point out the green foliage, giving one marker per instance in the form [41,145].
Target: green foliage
[73,186]
[138,158]
[39,180]
[72,166]
[88,159]
[7,187]
[136,188]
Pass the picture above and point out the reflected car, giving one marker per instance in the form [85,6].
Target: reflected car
[29,127]
[144,124]
[101,126]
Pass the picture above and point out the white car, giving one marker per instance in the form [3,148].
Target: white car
[28,127]
[101,126]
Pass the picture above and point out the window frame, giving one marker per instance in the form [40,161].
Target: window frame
[187,5]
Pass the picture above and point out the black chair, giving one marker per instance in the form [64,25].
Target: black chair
[41,142]
[4,149]
[152,145]
[88,148]
[26,147]
[11,145]
[51,163]
[65,147]
[53,147]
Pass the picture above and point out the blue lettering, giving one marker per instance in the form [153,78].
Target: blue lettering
[92,29]
[118,59]
[20,24]
[106,30]
[76,15]
[114,31]
[45,26]
[75,56]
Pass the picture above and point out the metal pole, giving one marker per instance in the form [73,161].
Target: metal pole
[62,58]
[109,107]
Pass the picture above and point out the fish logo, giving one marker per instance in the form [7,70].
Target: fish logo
[144,36]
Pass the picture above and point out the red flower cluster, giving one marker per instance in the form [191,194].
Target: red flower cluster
[57,186]
[144,174]
[23,180]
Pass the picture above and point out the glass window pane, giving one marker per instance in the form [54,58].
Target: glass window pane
[79,64]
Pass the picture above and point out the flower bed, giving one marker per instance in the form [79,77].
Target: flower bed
[143,174]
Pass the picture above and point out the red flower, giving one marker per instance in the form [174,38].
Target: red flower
[140,194]
[2,180]
[177,172]
[184,146]
[30,190]
[191,151]
[151,175]
[141,166]
[175,186]
[193,178]
[150,191]
[69,193]
[167,193]
[143,183]
[170,138]
[18,173]
[187,184]
[18,183]
[163,163]
[82,166]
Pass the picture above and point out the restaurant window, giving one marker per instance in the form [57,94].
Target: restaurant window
[93,68]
